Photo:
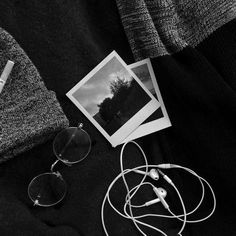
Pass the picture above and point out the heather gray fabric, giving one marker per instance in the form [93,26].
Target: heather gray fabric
[161,27]
[29,113]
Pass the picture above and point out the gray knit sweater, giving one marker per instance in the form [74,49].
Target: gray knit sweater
[29,113]
[161,27]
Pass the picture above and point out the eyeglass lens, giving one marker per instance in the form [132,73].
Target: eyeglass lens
[70,146]
[47,189]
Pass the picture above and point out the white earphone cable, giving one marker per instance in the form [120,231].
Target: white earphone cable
[131,193]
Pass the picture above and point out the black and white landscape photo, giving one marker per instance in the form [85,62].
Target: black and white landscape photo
[159,119]
[114,99]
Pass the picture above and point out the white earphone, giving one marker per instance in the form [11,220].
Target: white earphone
[153,173]
[161,194]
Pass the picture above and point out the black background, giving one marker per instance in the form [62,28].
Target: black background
[67,39]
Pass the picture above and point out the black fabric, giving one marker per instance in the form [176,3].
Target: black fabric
[65,40]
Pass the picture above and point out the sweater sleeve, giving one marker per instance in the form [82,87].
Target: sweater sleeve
[30,114]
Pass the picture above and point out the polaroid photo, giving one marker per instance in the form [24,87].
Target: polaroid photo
[159,119]
[113,98]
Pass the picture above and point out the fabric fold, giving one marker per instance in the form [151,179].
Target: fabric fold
[162,27]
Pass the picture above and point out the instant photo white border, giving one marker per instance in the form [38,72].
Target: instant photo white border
[155,125]
[134,121]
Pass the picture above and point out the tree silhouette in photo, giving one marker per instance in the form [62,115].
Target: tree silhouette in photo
[109,107]
[127,99]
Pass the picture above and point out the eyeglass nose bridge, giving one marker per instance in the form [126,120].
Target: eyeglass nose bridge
[53,165]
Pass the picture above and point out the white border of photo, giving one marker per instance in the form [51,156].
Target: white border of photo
[125,130]
[155,125]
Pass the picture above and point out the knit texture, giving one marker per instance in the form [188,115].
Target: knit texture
[29,113]
[162,27]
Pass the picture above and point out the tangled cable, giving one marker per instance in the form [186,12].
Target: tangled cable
[160,193]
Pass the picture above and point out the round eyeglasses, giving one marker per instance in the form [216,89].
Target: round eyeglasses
[70,146]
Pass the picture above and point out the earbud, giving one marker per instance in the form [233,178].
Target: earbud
[162,194]
[152,173]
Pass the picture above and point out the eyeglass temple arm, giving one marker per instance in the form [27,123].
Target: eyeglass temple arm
[80,125]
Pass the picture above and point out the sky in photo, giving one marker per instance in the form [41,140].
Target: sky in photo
[143,74]
[97,88]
